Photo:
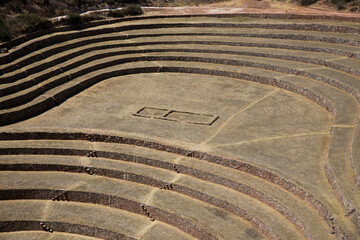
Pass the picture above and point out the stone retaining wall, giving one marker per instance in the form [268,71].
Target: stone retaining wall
[226,162]
[27,97]
[41,67]
[36,45]
[34,35]
[13,226]
[144,180]
[111,201]
[36,109]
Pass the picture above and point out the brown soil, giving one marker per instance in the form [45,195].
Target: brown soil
[249,6]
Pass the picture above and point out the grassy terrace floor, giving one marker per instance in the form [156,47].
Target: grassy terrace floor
[183,128]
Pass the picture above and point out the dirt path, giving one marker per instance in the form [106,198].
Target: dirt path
[238,6]
[245,6]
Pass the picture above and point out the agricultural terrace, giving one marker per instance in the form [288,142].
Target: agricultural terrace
[224,126]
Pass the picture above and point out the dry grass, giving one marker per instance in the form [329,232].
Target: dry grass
[271,128]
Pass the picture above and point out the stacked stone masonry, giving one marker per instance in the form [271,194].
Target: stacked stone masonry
[20,81]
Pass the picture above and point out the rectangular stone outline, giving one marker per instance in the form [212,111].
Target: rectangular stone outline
[168,112]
